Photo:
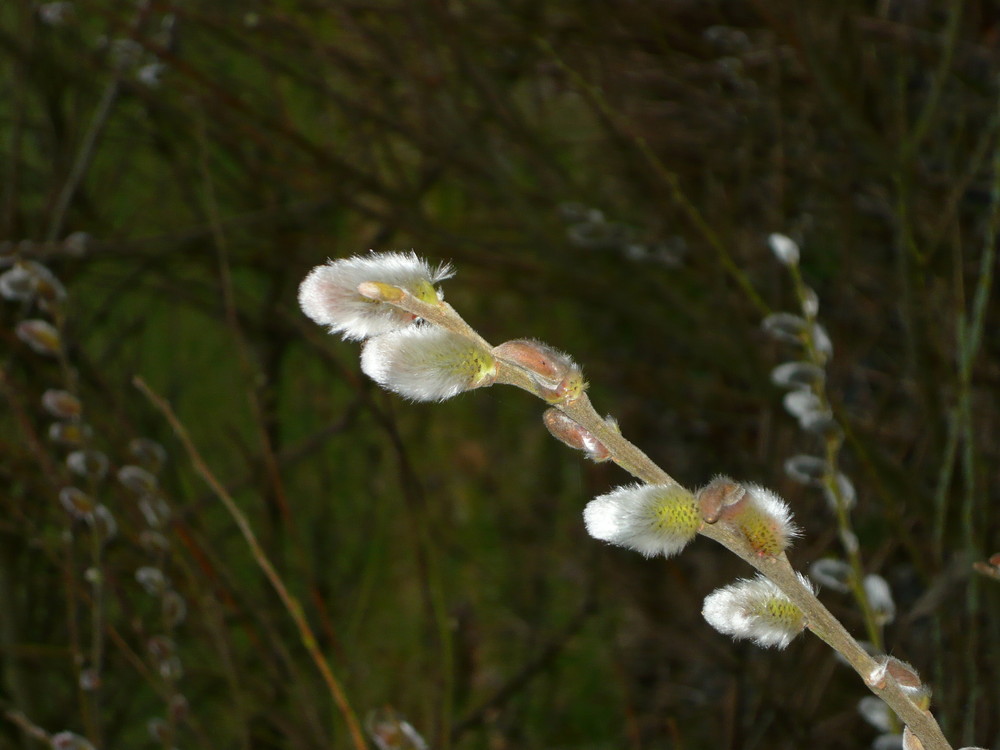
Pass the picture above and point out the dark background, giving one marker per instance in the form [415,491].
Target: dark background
[214,152]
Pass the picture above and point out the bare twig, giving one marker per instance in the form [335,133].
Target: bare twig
[818,618]
[291,603]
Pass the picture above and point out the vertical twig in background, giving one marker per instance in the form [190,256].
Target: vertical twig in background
[83,159]
[292,605]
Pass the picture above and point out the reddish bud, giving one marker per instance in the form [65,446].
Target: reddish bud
[555,372]
[718,494]
[902,674]
[571,433]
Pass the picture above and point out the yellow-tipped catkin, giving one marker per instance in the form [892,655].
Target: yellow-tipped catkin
[427,363]
[764,535]
[755,609]
[653,519]
[332,294]
[764,520]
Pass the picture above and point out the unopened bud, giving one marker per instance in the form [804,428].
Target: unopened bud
[555,372]
[904,675]
[569,432]
[889,666]
[714,497]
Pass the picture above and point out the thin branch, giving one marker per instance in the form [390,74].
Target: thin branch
[818,618]
[292,605]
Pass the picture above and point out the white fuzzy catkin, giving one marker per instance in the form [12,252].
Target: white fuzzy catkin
[808,470]
[764,519]
[802,402]
[834,574]
[797,375]
[784,249]
[652,519]
[843,494]
[755,609]
[880,599]
[426,363]
[329,294]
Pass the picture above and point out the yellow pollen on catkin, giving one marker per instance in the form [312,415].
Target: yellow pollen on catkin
[678,513]
[764,535]
[784,612]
